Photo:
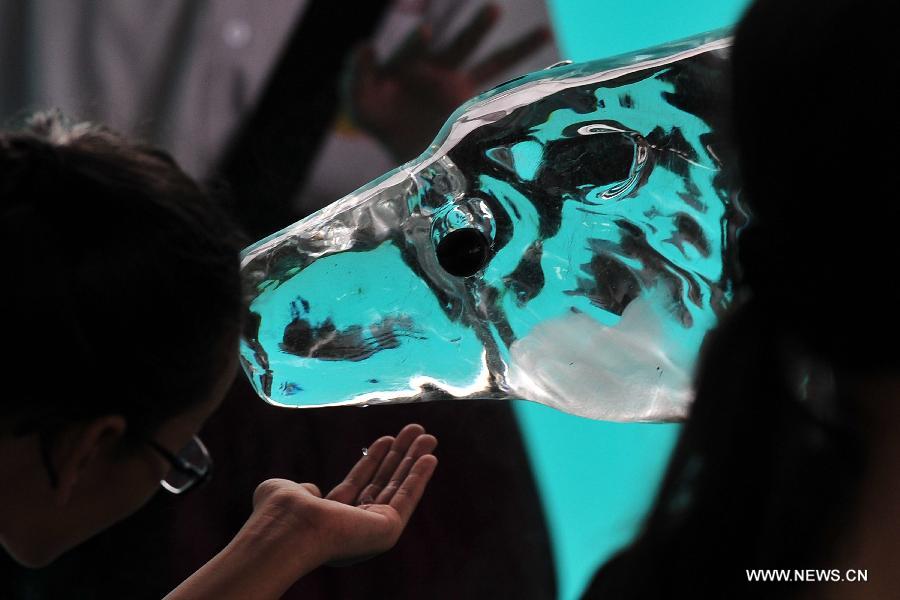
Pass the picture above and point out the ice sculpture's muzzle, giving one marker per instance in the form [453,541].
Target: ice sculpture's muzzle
[565,240]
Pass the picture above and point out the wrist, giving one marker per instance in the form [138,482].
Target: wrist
[276,546]
[260,562]
[284,533]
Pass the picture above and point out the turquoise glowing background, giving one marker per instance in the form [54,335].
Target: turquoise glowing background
[598,478]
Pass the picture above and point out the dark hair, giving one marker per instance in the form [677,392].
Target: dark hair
[121,280]
[766,470]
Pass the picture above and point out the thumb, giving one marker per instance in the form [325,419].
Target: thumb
[271,488]
[364,59]
[362,68]
[312,489]
[360,73]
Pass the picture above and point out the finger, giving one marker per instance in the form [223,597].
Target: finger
[359,75]
[410,491]
[362,65]
[506,57]
[362,68]
[313,489]
[424,444]
[411,49]
[398,450]
[467,40]
[361,473]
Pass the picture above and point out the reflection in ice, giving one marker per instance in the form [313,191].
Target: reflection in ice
[565,240]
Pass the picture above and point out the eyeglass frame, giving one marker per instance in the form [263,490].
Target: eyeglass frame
[198,475]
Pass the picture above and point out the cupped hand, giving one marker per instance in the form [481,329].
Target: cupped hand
[365,514]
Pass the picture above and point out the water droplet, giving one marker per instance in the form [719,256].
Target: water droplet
[365,451]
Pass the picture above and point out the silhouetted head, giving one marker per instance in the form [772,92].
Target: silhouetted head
[767,469]
[815,126]
[121,306]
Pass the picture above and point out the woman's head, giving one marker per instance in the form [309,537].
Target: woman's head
[121,309]
[815,125]
[766,470]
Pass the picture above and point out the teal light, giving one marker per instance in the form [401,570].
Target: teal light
[591,29]
[597,479]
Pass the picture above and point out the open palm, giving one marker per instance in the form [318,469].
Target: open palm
[404,101]
[365,514]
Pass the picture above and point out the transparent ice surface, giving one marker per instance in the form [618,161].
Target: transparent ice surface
[565,239]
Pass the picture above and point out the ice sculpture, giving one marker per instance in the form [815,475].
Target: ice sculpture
[565,240]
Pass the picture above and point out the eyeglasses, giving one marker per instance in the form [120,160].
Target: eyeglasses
[190,467]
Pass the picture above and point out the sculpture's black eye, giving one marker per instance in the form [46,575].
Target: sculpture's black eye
[463,252]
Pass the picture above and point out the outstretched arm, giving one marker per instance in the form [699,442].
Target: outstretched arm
[293,529]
